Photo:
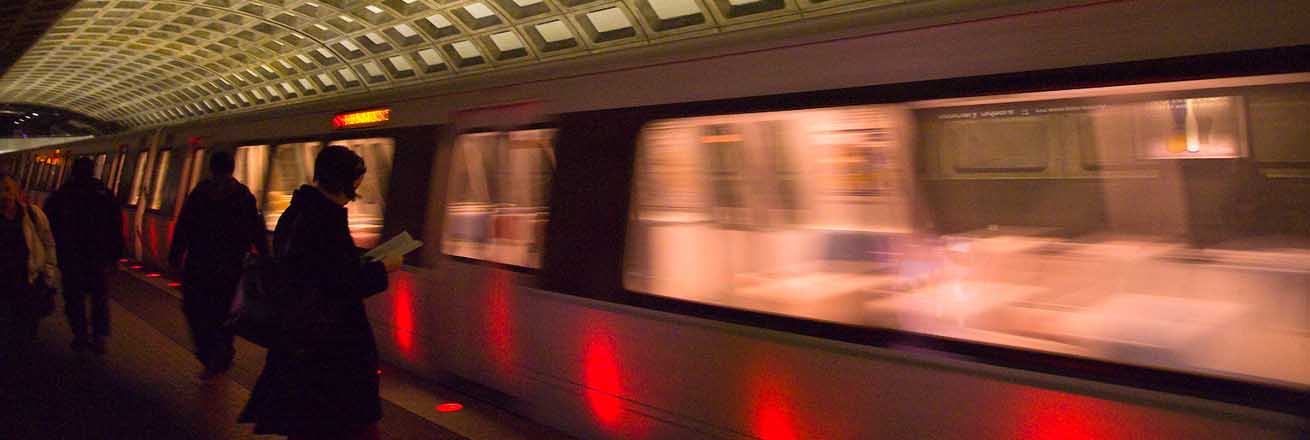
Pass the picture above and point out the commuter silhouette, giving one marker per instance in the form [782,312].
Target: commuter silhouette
[325,386]
[27,264]
[218,226]
[87,225]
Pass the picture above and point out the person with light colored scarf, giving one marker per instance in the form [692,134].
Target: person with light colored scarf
[28,265]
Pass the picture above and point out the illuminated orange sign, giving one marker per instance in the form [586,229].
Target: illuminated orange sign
[362,118]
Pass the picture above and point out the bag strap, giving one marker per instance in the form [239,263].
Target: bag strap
[291,237]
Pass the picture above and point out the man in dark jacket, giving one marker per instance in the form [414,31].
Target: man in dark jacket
[86,222]
[219,224]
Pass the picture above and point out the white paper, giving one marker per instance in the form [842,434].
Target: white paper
[401,244]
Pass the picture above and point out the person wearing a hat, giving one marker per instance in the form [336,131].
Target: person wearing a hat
[325,386]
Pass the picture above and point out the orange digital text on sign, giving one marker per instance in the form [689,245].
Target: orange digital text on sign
[362,118]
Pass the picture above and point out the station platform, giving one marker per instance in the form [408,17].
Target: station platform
[146,385]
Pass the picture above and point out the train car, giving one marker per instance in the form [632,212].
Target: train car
[1051,220]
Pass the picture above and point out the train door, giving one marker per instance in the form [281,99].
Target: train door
[156,217]
[138,201]
[116,169]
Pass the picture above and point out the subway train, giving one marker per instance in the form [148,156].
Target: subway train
[1085,219]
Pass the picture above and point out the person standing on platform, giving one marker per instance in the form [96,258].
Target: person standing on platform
[27,266]
[326,387]
[87,225]
[218,226]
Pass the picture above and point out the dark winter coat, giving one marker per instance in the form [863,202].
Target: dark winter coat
[218,225]
[319,387]
[87,224]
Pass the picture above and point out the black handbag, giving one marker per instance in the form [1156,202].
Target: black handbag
[256,313]
[273,308]
[41,299]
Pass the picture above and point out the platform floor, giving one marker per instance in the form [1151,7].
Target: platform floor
[146,385]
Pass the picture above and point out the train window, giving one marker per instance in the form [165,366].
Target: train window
[293,165]
[197,168]
[251,164]
[499,183]
[162,175]
[61,170]
[29,173]
[748,207]
[116,175]
[100,166]
[138,178]
[367,210]
[52,181]
[36,174]
[1074,222]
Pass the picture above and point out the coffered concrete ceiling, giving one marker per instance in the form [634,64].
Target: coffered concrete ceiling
[142,63]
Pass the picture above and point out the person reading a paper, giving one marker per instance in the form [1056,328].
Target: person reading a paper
[324,384]
[399,245]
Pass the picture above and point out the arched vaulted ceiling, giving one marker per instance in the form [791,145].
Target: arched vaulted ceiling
[146,63]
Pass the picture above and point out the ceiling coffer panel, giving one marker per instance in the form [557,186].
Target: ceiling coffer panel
[143,63]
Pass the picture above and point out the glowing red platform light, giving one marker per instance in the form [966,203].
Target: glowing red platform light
[123,260]
[449,407]
[136,267]
[174,284]
[153,275]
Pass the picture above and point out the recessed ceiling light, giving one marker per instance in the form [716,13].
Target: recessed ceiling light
[506,41]
[375,38]
[430,57]
[466,50]
[439,21]
[554,31]
[670,9]
[406,31]
[479,10]
[606,20]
